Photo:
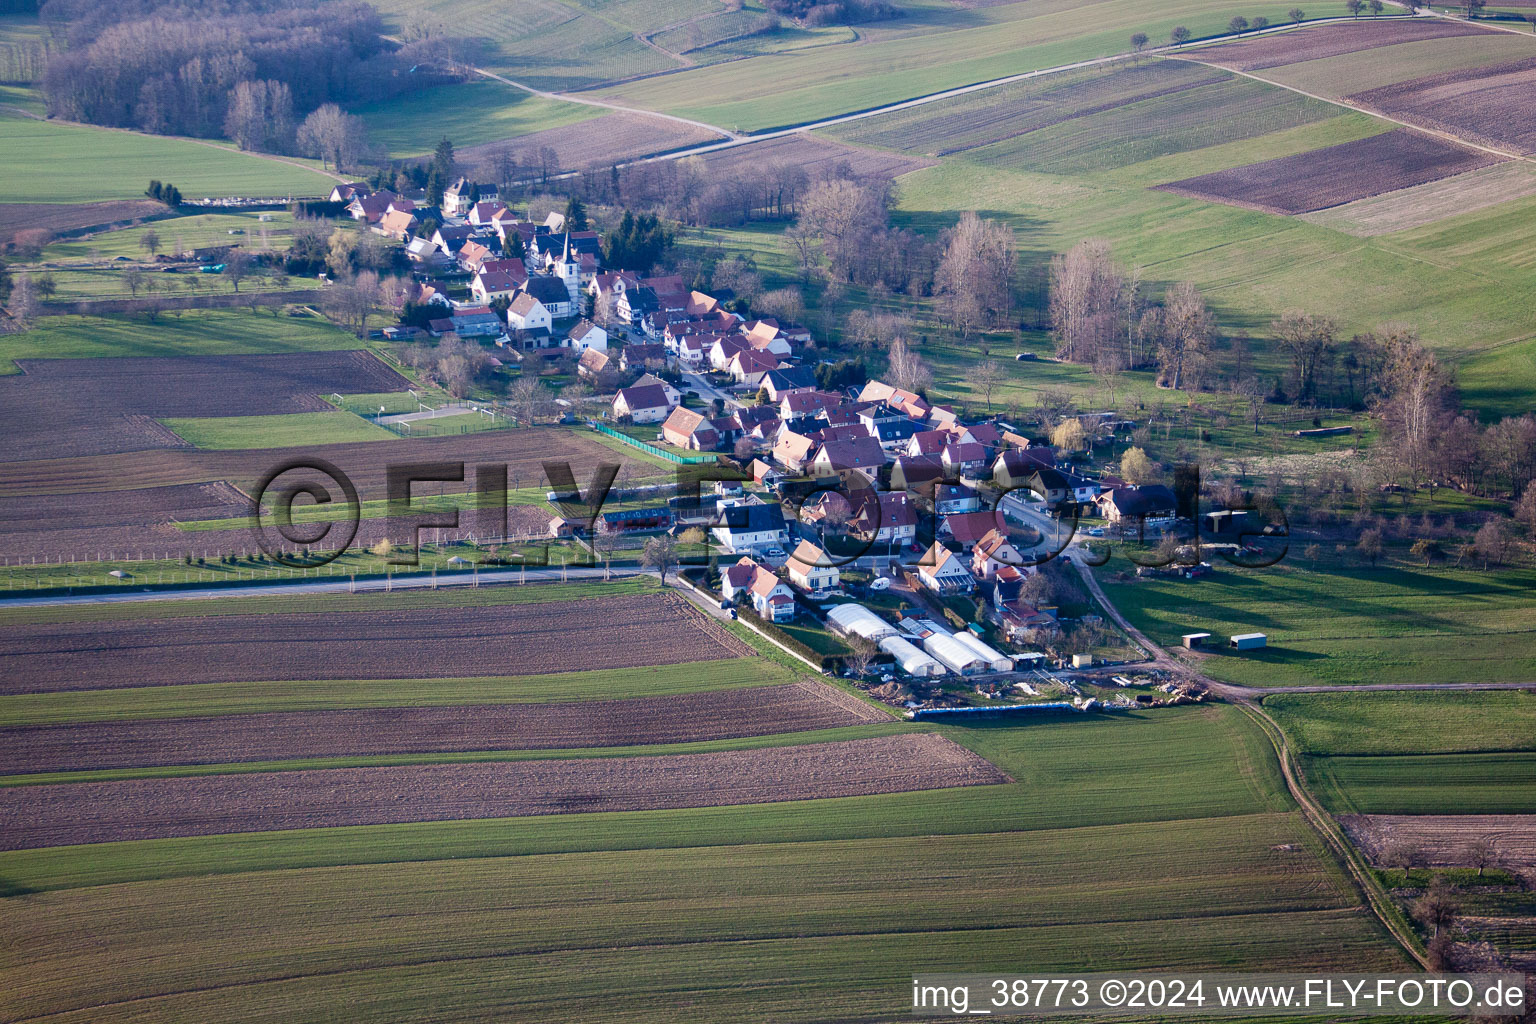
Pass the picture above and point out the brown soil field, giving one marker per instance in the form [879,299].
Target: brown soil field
[63,407]
[279,736]
[815,154]
[522,451]
[98,812]
[533,639]
[1444,839]
[1334,175]
[1319,41]
[69,525]
[64,217]
[599,142]
[1492,106]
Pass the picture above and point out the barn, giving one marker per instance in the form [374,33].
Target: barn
[911,660]
[1249,641]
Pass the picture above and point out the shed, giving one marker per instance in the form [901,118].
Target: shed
[1249,641]
[1193,640]
[912,661]
[996,661]
[1034,659]
[859,621]
[954,655]
[1082,661]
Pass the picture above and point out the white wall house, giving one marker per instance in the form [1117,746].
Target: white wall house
[527,314]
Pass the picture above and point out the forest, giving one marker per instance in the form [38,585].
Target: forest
[211,69]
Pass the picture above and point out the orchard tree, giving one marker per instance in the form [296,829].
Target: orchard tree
[1180,35]
[1238,25]
[149,241]
[1139,42]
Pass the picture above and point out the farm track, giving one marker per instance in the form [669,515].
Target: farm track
[94,812]
[615,632]
[281,736]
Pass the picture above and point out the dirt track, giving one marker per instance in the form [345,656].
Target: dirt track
[501,640]
[95,812]
[719,714]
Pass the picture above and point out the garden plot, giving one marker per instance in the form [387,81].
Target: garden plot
[1338,174]
[613,632]
[711,715]
[96,812]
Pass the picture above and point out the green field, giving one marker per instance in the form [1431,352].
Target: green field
[933,50]
[179,234]
[1334,624]
[287,431]
[202,332]
[47,162]
[1415,753]
[469,113]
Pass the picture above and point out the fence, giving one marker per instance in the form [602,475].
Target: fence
[650,449]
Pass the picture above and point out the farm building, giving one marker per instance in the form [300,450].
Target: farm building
[1248,641]
[911,660]
[1193,640]
[954,655]
[995,660]
[856,620]
[629,519]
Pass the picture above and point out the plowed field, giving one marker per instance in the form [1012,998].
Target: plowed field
[1319,41]
[719,714]
[1493,106]
[62,407]
[96,812]
[1335,175]
[611,632]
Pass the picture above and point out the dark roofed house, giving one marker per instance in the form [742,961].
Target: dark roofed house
[645,404]
[789,381]
[551,291]
[1149,505]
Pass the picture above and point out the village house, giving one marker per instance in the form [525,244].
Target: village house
[462,194]
[1060,489]
[806,403]
[751,528]
[812,570]
[688,429]
[735,580]
[1013,467]
[889,518]
[793,451]
[771,596]
[527,313]
[515,269]
[553,294]
[473,253]
[425,254]
[692,350]
[968,528]
[642,357]
[964,459]
[993,552]
[725,349]
[345,193]
[764,474]
[953,499]
[911,404]
[592,363]
[789,381]
[468,322]
[483,214]
[488,286]
[1153,506]
[450,238]
[586,335]
[371,207]
[863,455]
[647,404]
[944,572]
[747,362]
[916,473]
[397,224]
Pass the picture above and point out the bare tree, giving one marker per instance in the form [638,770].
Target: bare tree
[1309,340]
[906,368]
[660,553]
[1369,545]
[237,267]
[984,377]
[337,138]
[1184,347]
[1085,300]
[1437,908]
[975,275]
[1490,545]
[149,241]
[133,280]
